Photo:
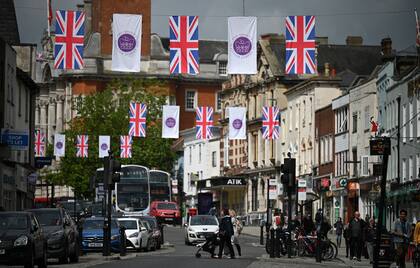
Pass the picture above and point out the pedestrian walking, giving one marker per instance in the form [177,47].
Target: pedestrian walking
[237,229]
[356,227]
[347,237]
[370,233]
[402,233]
[226,232]
[339,226]
[213,211]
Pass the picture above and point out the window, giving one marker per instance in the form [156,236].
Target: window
[222,68]
[20,100]
[365,165]
[417,169]
[199,153]
[410,117]
[190,100]
[27,109]
[219,101]
[213,159]
[190,155]
[367,118]
[355,122]
[404,128]
[354,159]
[410,168]
[418,116]
[404,170]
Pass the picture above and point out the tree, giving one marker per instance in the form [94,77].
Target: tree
[106,113]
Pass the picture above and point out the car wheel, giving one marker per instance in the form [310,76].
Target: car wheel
[187,242]
[64,259]
[76,253]
[30,263]
[43,262]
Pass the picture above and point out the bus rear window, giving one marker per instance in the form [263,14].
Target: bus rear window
[168,206]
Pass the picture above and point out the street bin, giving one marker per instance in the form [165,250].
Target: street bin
[386,251]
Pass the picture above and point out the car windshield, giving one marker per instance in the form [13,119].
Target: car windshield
[152,223]
[203,220]
[167,206]
[48,218]
[97,224]
[96,209]
[129,224]
[13,222]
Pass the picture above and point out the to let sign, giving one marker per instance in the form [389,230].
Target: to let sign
[380,146]
[16,140]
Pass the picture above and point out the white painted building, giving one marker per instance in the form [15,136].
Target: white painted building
[201,161]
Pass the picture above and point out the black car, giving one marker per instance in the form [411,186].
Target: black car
[62,234]
[22,240]
[156,227]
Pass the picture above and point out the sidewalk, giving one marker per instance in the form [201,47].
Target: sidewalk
[252,231]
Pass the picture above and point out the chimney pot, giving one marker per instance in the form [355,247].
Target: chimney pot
[354,40]
[386,48]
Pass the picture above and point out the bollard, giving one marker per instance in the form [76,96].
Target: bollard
[318,247]
[277,243]
[80,230]
[272,243]
[162,239]
[261,235]
[123,238]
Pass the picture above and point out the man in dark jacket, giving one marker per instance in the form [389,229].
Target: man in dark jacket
[356,231]
[226,232]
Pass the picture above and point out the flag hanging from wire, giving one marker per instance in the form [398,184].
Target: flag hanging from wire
[126,143]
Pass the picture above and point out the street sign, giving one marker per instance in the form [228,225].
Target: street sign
[302,183]
[380,146]
[174,189]
[174,182]
[272,190]
[16,140]
[302,194]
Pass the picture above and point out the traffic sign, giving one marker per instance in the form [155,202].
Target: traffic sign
[343,182]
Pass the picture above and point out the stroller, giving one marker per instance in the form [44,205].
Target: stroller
[212,241]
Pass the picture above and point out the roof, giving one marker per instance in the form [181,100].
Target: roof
[345,59]
[208,48]
[9,31]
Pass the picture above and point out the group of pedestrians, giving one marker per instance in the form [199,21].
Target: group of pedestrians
[360,236]
[229,230]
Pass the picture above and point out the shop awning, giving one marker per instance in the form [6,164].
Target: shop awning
[222,182]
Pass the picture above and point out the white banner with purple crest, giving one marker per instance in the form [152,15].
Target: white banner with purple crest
[126,32]
[170,122]
[104,146]
[237,123]
[59,145]
[242,45]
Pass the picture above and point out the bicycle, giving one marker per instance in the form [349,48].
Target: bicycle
[307,247]
[283,244]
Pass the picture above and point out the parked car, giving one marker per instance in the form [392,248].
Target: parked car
[167,212]
[199,226]
[138,235]
[93,234]
[22,240]
[157,235]
[61,232]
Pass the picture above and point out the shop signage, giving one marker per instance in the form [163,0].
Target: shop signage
[16,140]
[40,162]
[234,182]
[302,183]
[302,190]
[354,186]
[380,146]
[174,182]
[343,182]
[272,189]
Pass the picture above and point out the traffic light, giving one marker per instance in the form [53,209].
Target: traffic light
[325,185]
[116,168]
[112,168]
[288,178]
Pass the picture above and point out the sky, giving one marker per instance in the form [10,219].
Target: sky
[336,19]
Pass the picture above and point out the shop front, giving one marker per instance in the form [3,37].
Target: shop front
[405,196]
[227,192]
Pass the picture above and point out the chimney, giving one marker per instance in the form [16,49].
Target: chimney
[326,69]
[321,40]
[80,7]
[354,40]
[386,49]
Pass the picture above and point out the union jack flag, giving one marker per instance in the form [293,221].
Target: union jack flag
[300,45]
[69,37]
[138,112]
[126,143]
[270,123]
[39,143]
[82,146]
[183,45]
[204,122]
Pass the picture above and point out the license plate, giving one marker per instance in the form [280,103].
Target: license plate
[95,245]
[169,219]
[2,251]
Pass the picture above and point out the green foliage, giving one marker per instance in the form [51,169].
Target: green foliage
[106,113]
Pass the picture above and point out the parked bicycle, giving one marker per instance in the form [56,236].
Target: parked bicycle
[307,246]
